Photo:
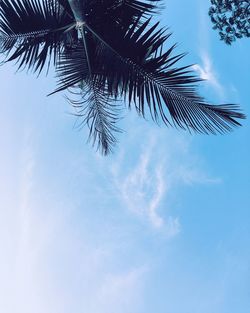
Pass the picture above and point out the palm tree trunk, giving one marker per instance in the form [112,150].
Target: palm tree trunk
[77,8]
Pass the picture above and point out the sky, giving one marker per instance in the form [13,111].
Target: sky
[162,225]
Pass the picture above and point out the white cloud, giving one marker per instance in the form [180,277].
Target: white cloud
[157,198]
[191,174]
[143,189]
[173,226]
[146,185]
[207,72]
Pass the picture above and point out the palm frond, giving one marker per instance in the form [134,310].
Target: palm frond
[32,32]
[114,52]
[148,77]
[72,67]
[95,109]
[109,14]
[142,7]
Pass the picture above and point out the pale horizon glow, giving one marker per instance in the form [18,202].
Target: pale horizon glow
[161,225]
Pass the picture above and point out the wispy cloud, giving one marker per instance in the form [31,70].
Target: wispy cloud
[207,72]
[146,185]
[191,174]
[143,189]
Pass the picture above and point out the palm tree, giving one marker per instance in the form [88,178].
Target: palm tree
[105,51]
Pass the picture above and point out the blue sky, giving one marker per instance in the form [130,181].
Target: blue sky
[162,225]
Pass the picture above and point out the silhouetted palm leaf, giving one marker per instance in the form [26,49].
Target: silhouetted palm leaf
[99,112]
[33,31]
[112,51]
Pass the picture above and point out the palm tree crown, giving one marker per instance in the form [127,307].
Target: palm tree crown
[106,50]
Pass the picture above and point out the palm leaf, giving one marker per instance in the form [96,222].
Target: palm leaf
[72,67]
[94,106]
[148,77]
[99,113]
[113,52]
[32,32]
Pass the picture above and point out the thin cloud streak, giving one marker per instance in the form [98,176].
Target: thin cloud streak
[207,72]
[156,220]
[146,187]
[143,190]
